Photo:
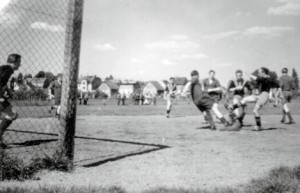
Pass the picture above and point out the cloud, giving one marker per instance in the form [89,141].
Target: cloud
[222,35]
[179,37]
[273,31]
[289,7]
[105,47]
[47,27]
[168,62]
[192,56]
[266,31]
[8,20]
[171,45]
[135,60]
[3,4]
[224,65]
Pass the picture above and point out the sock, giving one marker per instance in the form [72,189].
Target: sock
[289,116]
[283,115]
[258,121]
[5,123]
[235,106]
[224,121]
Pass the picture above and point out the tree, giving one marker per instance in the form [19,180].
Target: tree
[109,78]
[40,74]
[27,76]
[96,83]
[296,79]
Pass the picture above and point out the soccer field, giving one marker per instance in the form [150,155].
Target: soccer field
[137,147]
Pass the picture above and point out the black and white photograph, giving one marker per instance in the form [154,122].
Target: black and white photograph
[149,96]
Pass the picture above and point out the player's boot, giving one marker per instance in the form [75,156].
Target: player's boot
[224,121]
[236,126]
[257,128]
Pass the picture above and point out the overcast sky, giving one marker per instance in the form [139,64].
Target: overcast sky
[156,39]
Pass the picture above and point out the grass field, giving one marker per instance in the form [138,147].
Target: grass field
[138,149]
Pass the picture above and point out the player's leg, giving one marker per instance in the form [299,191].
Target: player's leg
[10,116]
[219,114]
[257,117]
[169,106]
[210,119]
[263,99]
[286,108]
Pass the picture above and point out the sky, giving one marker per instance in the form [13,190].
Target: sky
[156,39]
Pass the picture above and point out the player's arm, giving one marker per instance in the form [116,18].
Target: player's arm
[51,96]
[166,92]
[231,87]
[217,89]
[186,89]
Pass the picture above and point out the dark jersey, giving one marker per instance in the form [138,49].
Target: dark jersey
[171,88]
[264,84]
[213,84]
[198,96]
[56,88]
[5,73]
[236,83]
[286,83]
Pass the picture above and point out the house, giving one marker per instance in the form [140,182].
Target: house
[180,83]
[153,87]
[89,84]
[163,83]
[109,88]
[130,86]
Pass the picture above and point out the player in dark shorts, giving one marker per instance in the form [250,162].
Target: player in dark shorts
[237,88]
[212,87]
[261,98]
[6,109]
[55,89]
[285,91]
[204,102]
[170,94]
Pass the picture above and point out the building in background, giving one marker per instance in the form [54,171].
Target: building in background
[109,88]
[89,84]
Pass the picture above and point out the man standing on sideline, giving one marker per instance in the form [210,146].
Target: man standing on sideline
[55,89]
[169,95]
[204,102]
[261,98]
[212,87]
[123,98]
[286,89]
[13,64]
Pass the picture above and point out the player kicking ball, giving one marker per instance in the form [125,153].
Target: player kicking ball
[264,84]
[205,103]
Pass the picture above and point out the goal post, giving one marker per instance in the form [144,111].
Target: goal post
[70,77]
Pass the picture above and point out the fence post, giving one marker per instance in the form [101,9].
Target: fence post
[70,76]
[1,164]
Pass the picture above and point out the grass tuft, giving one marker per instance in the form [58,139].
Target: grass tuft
[16,169]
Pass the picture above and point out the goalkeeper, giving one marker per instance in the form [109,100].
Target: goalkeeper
[6,109]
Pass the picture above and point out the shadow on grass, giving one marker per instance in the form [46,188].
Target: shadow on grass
[156,147]
[33,142]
